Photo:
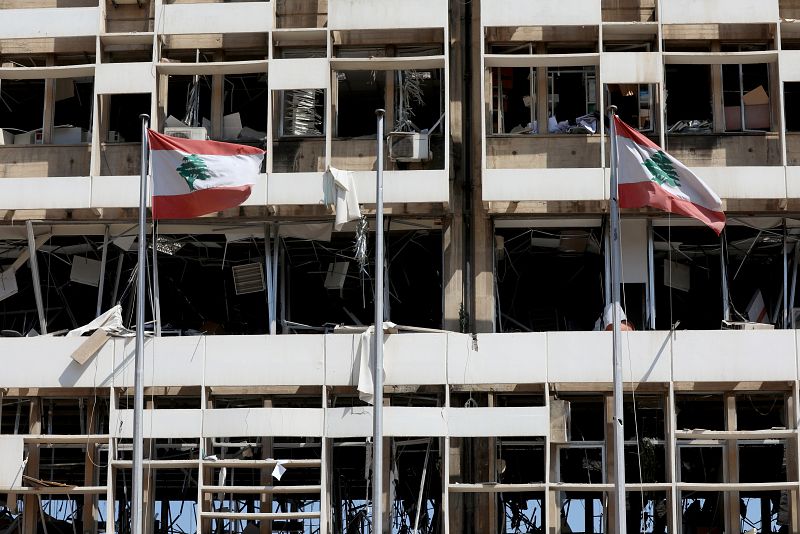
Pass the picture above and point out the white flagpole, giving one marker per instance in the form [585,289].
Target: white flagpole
[377,438]
[138,389]
[616,260]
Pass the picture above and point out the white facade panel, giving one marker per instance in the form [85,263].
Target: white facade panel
[293,422]
[161,423]
[719,11]
[341,352]
[296,188]
[264,360]
[734,355]
[124,78]
[646,356]
[744,182]
[404,186]
[793,182]
[415,359]
[45,193]
[491,422]
[379,14]
[631,67]
[500,359]
[12,463]
[48,22]
[543,184]
[351,422]
[579,357]
[308,73]
[168,361]
[789,63]
[541,12]
[116,192]
[414,421]
[242,17]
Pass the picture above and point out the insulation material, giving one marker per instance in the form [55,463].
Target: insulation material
[301,114]
[110,322]
[85,271]
[8,284]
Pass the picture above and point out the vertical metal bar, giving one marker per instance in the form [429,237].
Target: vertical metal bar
[101,285]
[607,267]
[155,288]
[723,259]
[138,395]
[616,257]
[785,278]
[651,277]
[795,259]
[37,288]
[270,288]
[120,262]
[276,249]
[377,438]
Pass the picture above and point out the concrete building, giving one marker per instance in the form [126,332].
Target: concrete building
[498,391]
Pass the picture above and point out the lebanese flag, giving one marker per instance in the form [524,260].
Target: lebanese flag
[648,176]
[193,178]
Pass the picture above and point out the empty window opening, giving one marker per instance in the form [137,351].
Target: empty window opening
[767,511]
[635,104]
[702,511]
[583,513]
[572,95]
[756,411]
[73,110]
[188,103]
[522,512]
[21,111]
[514,100]
[791,97]
[359,94]
[746,97]
[706,412]
[648,510]
[689,106]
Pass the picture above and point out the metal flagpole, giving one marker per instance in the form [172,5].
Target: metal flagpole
[138,395]
[377,438]
[616,260]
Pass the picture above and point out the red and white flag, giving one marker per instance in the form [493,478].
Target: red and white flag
[192,178]
[648,176]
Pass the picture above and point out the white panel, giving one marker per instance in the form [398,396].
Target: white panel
[11,461]
[543,184]
[540,12]
[258,195]
[310,73]
[116,192]
[415,359]
[789,61]
[348,422]
[296,188]
[244,17]
[646,356]
[631,67]
[579,357]
[124,78]
[232,422]
[264,360]
[404,186]
[45,193]
[719,11]
[48,22]
[793,182]
[730,355]
[45,362]
[500,359]
[633,238]
[411,422]
[375,14]
[744,182]
[168,361]
[163,423]
[489,422]
[340,356]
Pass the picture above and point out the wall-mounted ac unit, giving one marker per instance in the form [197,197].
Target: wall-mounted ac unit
[409,146]
[197,133]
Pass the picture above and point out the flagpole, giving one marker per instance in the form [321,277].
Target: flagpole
[616,257]
[138,395]
[377,438]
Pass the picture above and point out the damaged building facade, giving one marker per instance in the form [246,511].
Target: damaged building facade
[498,406]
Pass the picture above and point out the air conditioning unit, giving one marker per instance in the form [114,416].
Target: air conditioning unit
[197,133]
[409,146]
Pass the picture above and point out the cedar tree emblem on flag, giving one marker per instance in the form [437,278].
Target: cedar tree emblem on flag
[662,170]
[193,168]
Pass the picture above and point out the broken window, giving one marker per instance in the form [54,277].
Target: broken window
[583,513]
[705,412]
[702,511]
[245,108]
[120,154]
[302,113]
[760,411]
[791,97]
[572,100]
[188,102]
[514,100]
[689,105]
[21,111]
[746,96]
[359,94]
[635,104]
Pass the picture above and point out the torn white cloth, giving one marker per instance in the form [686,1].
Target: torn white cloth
[279,469]
[345,197]
[110,322]
[366,363]
[608,316]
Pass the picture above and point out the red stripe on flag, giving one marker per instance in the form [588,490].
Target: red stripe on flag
[626,131]
[212,148]
[200,202]
[641,194]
